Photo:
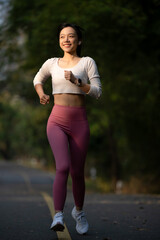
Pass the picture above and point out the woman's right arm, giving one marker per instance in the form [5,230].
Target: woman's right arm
[39,80]
[44,98]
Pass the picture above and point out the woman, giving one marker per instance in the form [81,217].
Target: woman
[67,129]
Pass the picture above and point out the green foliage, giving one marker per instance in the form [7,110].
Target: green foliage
[22,129]
[123,37]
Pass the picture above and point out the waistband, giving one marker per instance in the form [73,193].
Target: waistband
[69,112]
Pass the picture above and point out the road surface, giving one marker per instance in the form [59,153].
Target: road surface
[26,210]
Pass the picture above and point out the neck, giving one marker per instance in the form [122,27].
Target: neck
[69,56]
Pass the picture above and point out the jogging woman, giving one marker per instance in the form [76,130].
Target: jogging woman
[73,77]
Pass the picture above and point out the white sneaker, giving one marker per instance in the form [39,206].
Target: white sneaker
[58,222]
[82,224]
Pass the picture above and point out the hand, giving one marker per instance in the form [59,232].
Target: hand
[44,99]
[69,76]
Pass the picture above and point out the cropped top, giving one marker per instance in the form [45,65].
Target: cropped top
[85,69]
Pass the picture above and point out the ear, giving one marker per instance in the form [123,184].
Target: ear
[79,43]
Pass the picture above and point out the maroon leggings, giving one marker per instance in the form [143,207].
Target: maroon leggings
[68,135]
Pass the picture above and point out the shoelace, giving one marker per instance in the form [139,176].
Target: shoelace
[58,215]
[81,218]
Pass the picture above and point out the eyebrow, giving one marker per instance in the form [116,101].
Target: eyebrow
[67,34]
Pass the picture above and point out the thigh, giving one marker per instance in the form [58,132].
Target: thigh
[79,141]
[58,141]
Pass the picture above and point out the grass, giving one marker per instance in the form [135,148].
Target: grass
[134,185]
[94,185]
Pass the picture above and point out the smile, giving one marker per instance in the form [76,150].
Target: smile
[66,45]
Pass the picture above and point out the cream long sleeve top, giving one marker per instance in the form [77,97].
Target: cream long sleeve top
[85,69]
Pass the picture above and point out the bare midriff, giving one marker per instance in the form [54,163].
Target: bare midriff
[67,99]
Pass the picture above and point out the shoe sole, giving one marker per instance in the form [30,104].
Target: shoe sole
[58,227]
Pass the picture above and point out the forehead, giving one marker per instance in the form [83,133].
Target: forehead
[68,30]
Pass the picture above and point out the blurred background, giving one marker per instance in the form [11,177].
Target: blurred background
[123,37]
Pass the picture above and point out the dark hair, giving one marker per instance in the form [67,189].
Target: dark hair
[78,30]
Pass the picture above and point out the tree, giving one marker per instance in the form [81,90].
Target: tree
[123,37]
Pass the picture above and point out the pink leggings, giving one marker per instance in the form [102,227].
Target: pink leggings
[68,135]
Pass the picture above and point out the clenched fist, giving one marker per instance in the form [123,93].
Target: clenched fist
[44,99]
[69,76]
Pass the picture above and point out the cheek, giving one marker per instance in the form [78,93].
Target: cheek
[60,43]
[75,41]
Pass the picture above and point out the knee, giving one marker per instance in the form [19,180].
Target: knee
[77,174]
[64,169]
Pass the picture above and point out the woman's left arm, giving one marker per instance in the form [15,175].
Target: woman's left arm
[69,76]
[85,88]
[94,88]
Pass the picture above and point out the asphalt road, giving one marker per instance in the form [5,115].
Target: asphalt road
[26,210]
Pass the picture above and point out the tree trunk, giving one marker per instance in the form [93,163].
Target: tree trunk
[115,165]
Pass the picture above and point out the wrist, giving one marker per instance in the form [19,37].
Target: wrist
[78,82]
[41,94]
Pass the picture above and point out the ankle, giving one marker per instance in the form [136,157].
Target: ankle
[79,209]
[58,213]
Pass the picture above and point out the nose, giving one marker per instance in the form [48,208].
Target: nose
[67,39]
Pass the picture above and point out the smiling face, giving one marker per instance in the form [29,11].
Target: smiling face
[68,40]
